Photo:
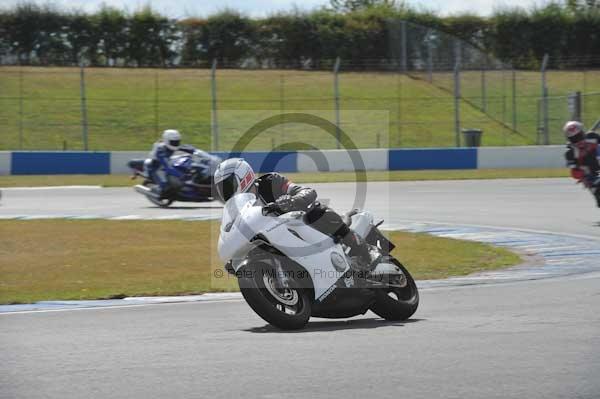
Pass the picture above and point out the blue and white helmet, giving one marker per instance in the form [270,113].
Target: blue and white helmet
[232,177]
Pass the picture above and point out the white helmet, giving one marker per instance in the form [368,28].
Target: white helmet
[233,176]
[172,139]
[574,131]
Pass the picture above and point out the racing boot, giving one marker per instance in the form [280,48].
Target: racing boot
[361,256]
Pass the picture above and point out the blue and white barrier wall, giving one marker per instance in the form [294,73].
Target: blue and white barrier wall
[342,160]
[5,157]
[78,162]
[521,157]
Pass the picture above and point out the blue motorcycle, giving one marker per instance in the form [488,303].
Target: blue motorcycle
[195,185]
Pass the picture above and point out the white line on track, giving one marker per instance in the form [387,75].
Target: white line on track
[506,228]
[124,306]
[184,218]
[52,188]
[237,297]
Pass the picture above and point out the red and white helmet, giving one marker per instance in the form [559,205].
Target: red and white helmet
[232,177]
[574,131]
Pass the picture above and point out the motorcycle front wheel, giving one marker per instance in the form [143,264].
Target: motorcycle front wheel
[162,202]
[397,304]
[284,308]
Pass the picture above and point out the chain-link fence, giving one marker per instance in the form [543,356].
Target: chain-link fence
[430,88]
[584,107]
[492,94]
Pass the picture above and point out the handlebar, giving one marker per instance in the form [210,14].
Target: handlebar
[271,207]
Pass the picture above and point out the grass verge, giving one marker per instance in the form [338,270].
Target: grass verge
[322,177]
[93,259]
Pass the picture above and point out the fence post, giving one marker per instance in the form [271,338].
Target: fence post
[574,102]
[457,91]
[457,52]
[398,141]
[282,106]
[457,103]
[20,107]
[429,61]
[514,98]
[336,96]
[545,127]
[538,121]
[214,120]
[404,42]
[584,91]
[504,96]
[483,87]
[84,120]
[156,102]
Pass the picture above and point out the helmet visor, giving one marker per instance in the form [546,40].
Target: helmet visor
[174,143]
[576,138]
[227,188]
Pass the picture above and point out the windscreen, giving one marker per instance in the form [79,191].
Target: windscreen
[233,207]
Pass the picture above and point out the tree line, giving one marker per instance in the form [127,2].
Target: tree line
[354,30]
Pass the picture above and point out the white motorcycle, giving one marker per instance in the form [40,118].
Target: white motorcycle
[288,271]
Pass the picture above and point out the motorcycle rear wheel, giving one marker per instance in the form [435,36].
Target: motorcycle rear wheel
[287,309]
[397,304]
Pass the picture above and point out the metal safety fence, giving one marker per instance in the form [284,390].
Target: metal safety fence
[584,107]
[430,88]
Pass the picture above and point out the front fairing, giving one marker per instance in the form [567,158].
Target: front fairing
[182,163]
[234,207]
[235,237]
[205,163]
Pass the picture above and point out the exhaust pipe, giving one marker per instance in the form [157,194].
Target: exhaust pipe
[388,273]
[146,191]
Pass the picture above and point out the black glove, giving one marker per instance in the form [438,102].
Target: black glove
[285,204]
[271,207]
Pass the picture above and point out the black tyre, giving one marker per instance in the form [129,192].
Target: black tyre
[397,303]
[288,309]
[162,202]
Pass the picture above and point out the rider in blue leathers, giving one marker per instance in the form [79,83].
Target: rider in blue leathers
[158,165]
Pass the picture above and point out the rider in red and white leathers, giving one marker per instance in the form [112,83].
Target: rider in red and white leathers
[583,156]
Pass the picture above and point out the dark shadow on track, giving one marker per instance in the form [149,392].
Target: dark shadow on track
[185,207]
[338,325]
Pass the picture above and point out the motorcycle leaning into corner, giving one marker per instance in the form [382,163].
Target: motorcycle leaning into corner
[288,271]
[196,185]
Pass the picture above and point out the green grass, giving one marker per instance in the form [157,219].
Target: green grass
[62,259]
[527,89]
[127,108]
[323,177]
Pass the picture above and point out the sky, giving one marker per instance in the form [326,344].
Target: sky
[259,8]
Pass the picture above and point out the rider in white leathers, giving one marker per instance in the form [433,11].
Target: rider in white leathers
[280,195]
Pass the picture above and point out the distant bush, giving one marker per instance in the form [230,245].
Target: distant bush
[570,37]
[41,35]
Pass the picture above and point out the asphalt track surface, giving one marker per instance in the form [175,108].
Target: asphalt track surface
[534,339]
